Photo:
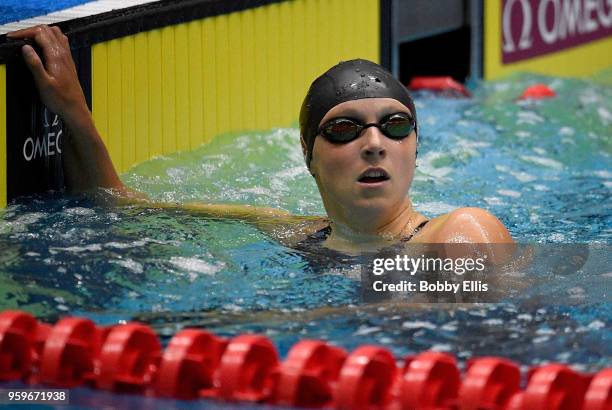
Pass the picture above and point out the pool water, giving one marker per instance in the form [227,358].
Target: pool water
[543,167]
[15,10]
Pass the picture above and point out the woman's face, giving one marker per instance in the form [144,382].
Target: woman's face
[348,175]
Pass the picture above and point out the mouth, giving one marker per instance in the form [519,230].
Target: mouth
[373,176]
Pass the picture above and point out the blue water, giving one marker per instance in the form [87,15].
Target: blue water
[15,10]
[544,168]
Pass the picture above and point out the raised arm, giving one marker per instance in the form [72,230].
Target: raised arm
[88,165]
[86,161]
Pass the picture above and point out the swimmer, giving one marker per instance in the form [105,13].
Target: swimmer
[358,128]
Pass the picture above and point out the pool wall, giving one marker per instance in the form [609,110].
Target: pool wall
[174,88]
[169,76]
[166,77]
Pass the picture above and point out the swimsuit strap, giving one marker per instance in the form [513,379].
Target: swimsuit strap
[417,229]
[322,234]
[316,238]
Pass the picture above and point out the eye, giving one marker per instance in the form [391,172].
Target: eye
[397,117]
[341,130]
[342,126]
[399,125]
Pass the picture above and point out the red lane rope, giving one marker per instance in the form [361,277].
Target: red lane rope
[196,364]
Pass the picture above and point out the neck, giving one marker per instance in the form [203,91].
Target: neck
[367,232]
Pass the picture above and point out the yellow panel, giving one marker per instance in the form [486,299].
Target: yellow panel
[354,28]
[173,88]
[576,61]
[236,67]
[155,103]
[348,37]
[323,36]
[299,78]
[362,20]
[372,32]
[248,72]
[286,65]
[99,87]
[141,96]
[210,79]
[128,127]
[3,173]
[168,91]
[492,40]
[310,43]
[223,75]
[348,34]
[196,129]
[115,103]
[274,103]
[334,16]
[261,86]
[181,44]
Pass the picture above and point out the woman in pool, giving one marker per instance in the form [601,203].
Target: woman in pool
[359,137]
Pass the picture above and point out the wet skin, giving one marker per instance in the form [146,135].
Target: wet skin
[369,210]
[363,215]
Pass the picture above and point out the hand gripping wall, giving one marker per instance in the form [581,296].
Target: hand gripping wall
[171,75]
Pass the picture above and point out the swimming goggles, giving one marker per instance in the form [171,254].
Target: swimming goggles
[342,130]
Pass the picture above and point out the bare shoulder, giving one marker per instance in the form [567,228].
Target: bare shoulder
[465,225]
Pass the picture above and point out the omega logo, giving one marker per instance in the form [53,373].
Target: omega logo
[570,18]
[49,143]
[525,39]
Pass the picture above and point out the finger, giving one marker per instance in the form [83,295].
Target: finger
[57,32]
[25,33]
[35,65]
[41,34]
[45,39]
[61,37]
[52,49]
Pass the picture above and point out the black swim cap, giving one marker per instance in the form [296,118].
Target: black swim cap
[347,81]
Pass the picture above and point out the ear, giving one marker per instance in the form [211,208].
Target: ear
[304,151]
[304,147]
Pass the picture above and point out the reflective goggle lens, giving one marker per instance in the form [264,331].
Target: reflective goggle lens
[341,130]
[398,127]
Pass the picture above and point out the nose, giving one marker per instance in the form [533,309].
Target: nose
[373,145]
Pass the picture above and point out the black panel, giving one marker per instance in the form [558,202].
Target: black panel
[34,137]
[386,28]
[446,54]
[82,60]
[423,18]
[34,134]
[477,50]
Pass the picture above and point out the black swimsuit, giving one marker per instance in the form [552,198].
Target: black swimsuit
[322,234]
[319,256]
[418,228]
